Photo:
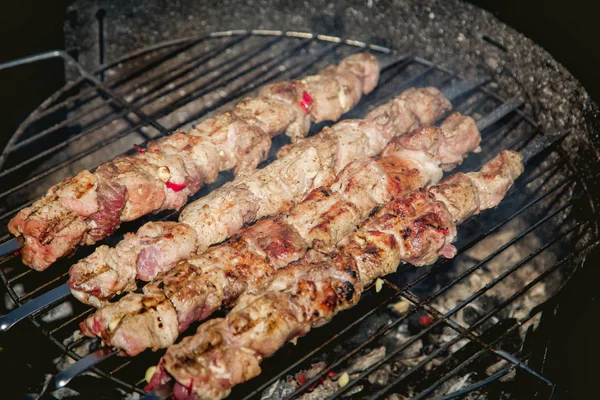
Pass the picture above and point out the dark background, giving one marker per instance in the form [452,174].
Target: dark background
[568,30]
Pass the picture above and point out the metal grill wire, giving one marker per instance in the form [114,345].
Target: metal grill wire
[167,87]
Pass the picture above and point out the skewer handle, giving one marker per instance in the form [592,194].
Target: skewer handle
[10,246]
[32,306]
[459,89]
[64,377]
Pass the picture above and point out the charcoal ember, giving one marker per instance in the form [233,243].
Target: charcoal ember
[310,373]
[324,390]
[284,387]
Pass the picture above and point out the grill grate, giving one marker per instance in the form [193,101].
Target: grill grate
[543,225]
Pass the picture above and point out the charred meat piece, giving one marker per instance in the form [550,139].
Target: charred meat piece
[300,168]
[417,228]
[113,270]
[90,206]
[249,261]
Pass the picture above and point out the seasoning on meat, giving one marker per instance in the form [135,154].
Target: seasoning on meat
[301,168]
[309,293]
[250,260]
[84,209]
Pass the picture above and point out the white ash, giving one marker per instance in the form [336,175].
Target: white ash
[328,384]
[81,349]
[521,306]
[396,396]
[367,360]
[459,384]
[45,385]
[62,311]
[353,390]
[280,389]
[322,391]
[285,386]
[9,304]
[381,376]
[510,376]
[400,337]
[64,393]
[129,396]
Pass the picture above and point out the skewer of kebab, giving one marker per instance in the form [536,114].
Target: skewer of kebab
[61,291]
[300,168]
[203,283]
[247,263]
[90,206]
[121,317]
[158,246]
[416,228]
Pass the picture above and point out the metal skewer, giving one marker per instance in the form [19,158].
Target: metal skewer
[64,377]
[460,89]
[11,246]
[99,355]
[37,304]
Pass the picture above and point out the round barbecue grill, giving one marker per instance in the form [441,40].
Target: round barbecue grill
[456,328]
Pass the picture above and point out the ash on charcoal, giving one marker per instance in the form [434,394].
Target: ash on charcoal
[82,349]
[284,387]
[367,360]
[129,396]
[279,389]
[64,393]
[381,376]
[459,384]
[9,304]
[62,311]
[494,268]
[322,391]
[395,396]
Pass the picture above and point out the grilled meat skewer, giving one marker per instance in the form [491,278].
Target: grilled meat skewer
[197,287]
[86,208]
[300,168]
[415,229]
